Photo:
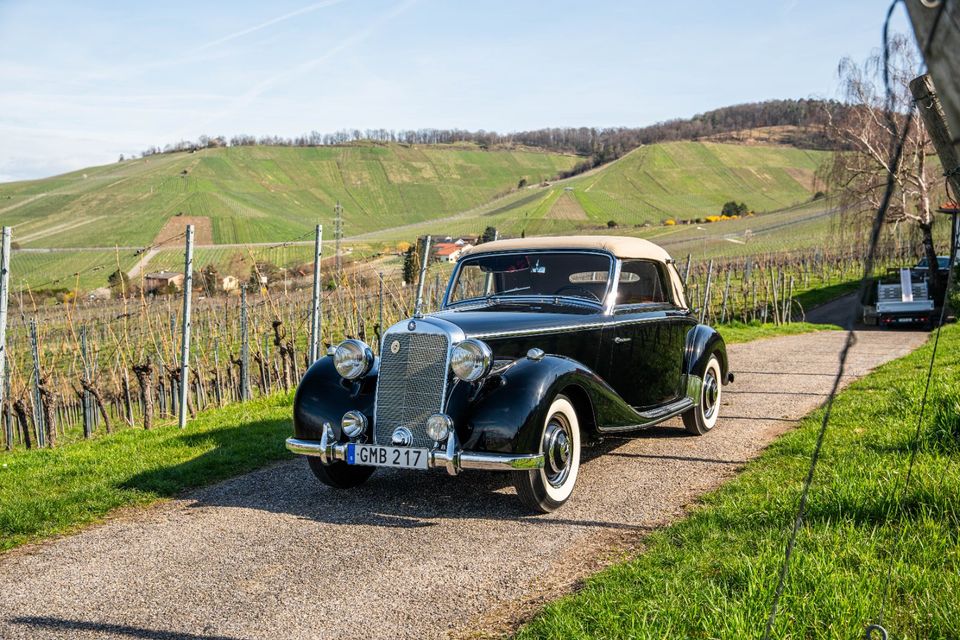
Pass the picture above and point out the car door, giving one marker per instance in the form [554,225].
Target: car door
[644,343]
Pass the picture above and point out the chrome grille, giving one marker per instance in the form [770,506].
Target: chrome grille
[411,385]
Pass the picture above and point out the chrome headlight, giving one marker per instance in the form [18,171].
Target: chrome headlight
[471,360]
[352,359]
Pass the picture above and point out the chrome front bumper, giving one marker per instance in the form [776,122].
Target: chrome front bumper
[451,457]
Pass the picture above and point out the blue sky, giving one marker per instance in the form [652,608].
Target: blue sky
[79,85]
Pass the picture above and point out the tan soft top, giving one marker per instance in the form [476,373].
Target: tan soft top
[620,246]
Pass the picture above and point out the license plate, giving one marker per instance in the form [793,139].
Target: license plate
[905,320]
[376,456]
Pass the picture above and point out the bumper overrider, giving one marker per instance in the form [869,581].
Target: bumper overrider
[448,456]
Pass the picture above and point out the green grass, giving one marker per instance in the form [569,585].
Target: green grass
[712,575]
[48,492]
[265,194]
[734,332]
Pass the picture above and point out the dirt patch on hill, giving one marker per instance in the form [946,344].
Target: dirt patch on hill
[566,208]
[806,177]
[170,234]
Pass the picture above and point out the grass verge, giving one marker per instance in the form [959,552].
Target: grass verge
[48,492]
[712,575]
[745,332]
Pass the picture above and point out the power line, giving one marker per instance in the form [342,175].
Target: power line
[851,335]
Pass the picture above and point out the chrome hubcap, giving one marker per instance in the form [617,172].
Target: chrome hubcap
[557,450]
[711,392]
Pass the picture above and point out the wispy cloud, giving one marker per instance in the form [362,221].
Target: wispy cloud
[262,87]
[128,72]
[263,25]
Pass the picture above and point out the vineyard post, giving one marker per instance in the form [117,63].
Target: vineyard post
[380,309]
[726,294]
[704,310]
[686,272]
[418,305]
[87,405]
[244,347]
[38,422]
[185,328]
[4,295]
[315,319]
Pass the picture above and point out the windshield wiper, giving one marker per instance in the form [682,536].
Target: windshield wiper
[503,293]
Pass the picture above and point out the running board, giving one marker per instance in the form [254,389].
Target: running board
[653,416]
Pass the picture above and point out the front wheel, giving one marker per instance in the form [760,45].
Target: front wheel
[545,490]
[703,417]
[339,474]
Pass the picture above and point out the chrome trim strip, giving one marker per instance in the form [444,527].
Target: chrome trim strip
[451,458]
[661,315]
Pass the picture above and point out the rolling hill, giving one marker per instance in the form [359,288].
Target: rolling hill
[264,194]
[672,180]
[389,192]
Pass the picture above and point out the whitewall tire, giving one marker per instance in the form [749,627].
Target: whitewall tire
[703,417]
[546,489]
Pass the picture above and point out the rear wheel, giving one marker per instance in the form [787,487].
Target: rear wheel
[546,489]
[339,474]
[703,417]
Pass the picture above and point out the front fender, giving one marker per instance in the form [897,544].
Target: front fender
[324,396]
[702,341]
[507,412]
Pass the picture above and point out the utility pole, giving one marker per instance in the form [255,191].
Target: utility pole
[185,327]
[315,318]
[931,112]
[936,25]
[338,236]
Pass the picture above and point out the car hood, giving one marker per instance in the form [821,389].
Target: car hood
[480,323]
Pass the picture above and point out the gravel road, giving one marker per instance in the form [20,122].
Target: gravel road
[273,554]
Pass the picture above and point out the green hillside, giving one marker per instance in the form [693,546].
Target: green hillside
[264,194]
[394,192]
[651,184]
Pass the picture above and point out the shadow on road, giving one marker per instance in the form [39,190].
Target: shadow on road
[391,498]
[68,626]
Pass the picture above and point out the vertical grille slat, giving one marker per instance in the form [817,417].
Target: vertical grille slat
[411,385]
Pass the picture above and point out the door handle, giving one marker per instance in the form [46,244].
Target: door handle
[619,340]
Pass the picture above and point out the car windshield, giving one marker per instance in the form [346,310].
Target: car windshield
[536,273]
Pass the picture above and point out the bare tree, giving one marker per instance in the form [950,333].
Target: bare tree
[868,128]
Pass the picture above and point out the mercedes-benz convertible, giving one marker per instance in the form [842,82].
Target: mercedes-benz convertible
[541,346]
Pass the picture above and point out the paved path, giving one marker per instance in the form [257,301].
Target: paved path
[273,554]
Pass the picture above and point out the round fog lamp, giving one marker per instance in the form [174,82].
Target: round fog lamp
[353,424]
[439,426]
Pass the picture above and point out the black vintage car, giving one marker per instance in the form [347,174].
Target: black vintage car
[541,345]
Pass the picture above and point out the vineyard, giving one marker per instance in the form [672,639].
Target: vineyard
[87,367]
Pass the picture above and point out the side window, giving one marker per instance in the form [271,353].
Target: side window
[641,282]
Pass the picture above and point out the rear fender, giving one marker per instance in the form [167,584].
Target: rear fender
[702,342]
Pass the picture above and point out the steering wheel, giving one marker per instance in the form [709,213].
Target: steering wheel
[574,287]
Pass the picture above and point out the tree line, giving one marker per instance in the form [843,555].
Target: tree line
[597,145]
